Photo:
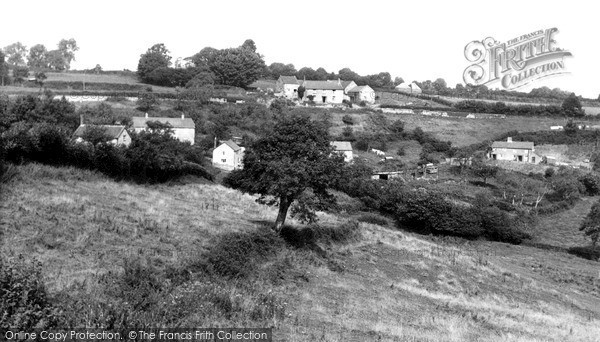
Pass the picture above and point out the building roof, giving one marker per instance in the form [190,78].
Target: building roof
[140,122]
[344,83]
[325,85]
[233,145]
[524,145]
[112,131]
[358,89]
[289,79]
[341,145]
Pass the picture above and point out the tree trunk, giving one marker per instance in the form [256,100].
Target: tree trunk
[284,204]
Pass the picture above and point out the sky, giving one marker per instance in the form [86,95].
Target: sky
[416,40]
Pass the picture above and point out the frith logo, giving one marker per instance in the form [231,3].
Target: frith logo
[515,63]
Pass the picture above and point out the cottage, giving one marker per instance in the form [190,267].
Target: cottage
[520,151]
[116,134]
[362,93]
[347,85]
[288,86]
[323,92]
[184,128]
[228,156]
[344,147]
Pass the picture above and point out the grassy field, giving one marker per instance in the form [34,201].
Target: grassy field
[387,286]
[91,78]
[460,131]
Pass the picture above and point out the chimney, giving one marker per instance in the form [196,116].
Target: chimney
[146,115]
[215,142]
[339,81]
[509,139]
[182,116]
[81,120]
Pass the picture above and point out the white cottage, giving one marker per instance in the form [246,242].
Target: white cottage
[288,86]
[344,147]
[184,128]
[362,93]
[520,151]
[323,92]
[411,88]
[116,134]
[228,156]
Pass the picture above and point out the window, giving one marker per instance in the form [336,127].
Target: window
[533,159]
[224,160]
[223,152]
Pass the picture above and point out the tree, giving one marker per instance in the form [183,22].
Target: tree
[15,54]
[56,60]
[38,57]
[277,69]
[440,85]
[201,79]
[591,224]
[236,67]
[398,80]
[97,69]
[205,57]
[484,171]
[249,44]
[157,56]
[146,101]
[281,166]
[95,134]
[572,106]
[67,48]
[301,91]
[571,127]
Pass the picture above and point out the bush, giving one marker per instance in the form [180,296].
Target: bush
[361,144]
[591,182]
[238,254]
[24,301]
[348,120]
[549,172]
[401,151]
[587,252]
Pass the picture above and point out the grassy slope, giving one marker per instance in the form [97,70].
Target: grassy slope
[394,285]
[460,131]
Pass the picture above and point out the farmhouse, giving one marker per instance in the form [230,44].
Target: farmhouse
[408,88]
[362,93]
[228,156]
[116,134]
[184,128]
[520,151]
[323,91]
[347,85]
[345,148]
[288,86]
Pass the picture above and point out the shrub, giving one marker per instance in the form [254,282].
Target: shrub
[361,144]
[498,226]
[591,225]
[549,172]
[591,182]
[238,254]
[147,101]
[587,252]
[401,151]
[348,120]
[24,301]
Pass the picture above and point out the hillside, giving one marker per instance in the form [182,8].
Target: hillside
[385,285]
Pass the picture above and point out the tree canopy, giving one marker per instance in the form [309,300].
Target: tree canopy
[294,157]
[157,56]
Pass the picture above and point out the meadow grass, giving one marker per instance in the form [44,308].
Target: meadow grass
[384,285]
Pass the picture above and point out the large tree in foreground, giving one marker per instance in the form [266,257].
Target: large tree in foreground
[296,156]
